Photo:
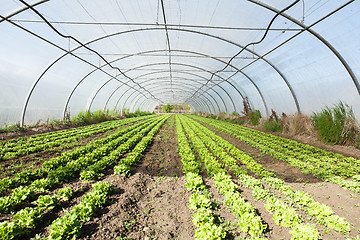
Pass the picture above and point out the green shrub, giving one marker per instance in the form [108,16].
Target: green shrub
[137,113]
[167,108]
[272,125]
[98,116]
[357,144]
[254,117]
[336,124]
[126,112]
[11,128]
[83,118]
[87,117]
[112,114]
[55,123]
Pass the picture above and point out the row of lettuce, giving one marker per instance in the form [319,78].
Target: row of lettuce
[56,168]
[328,166]
[87,163]
[279,199]
[70,137]
[198,146]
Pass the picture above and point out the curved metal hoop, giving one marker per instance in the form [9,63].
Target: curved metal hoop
[156,29]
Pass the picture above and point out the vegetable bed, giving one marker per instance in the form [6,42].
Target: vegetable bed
[176,177]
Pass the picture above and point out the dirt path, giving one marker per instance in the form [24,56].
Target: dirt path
[150,204]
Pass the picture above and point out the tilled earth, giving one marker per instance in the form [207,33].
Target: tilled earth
[152,203]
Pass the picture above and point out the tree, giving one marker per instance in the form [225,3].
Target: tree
[167,108]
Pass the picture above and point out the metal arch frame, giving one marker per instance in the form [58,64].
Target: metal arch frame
[252,52]
[198,103]
[143,103]
[199,69]
[159,29]
[226,80]
[338,55]
[165,77]
[133,92]
[205,70]
[124,104]
[200,54]
[183,72]
[73,90]
[134,105]
[23,9]
[143,107]
[175,83]
[318,36]
[27,7]
[204,103]
[179,84]
[156,79]
[151,100]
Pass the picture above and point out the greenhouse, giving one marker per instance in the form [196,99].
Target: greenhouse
[178,119]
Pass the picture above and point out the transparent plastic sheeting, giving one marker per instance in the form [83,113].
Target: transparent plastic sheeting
[137,54]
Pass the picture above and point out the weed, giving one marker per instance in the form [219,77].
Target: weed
[299,124]
[336,125]
[254,117]
[126,113]
[11,128]
[83,118]
[272,125]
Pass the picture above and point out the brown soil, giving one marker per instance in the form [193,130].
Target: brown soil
[344,203]
[152,203]
[28,131]
[346,150]
[282,169]
[10,167]
[143,207]
[273,231]
[162,158]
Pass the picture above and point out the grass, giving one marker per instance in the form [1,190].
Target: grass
[234,118]
[272,125]
[86,117]
[298,124]
[337,124]
[254,117]
[137,113]
[11,128]
[83,118]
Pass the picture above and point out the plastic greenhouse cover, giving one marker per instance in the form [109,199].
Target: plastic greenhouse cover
[74,55]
